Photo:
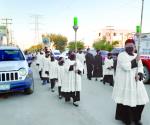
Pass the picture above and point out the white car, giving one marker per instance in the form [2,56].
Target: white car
[15,74]
[56,54]
[65,54]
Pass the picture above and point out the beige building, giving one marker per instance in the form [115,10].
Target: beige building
[113,34]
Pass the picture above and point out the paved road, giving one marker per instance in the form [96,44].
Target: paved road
[44,108]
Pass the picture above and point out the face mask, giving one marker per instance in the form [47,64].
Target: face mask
[61,63]
[129,50]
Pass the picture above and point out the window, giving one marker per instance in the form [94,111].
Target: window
[11,55]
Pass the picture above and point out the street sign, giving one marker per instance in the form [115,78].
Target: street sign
[144,44]
[46,41]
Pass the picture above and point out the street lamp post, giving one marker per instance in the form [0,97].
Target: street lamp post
[139,31]
[139,28]
[141,23]
[75,27]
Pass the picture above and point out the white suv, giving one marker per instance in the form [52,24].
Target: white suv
[15,74]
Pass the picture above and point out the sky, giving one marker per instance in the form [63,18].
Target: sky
[56,16]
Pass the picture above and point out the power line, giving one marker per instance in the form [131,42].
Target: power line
[36,27]
[6,23]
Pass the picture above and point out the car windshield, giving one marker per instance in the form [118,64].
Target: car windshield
[117,50]
[104,52]
[11,55]
[56,53]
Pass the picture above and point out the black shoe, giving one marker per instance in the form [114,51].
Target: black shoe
[52,90]
[96,79]
[138,123]
[101,80]
[75,104]
[60,97]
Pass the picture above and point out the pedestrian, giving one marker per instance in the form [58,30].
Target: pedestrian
[61,75]
[39,62]
[89,59]
[108,70]
[72,87]
[129,92]
[98,69]
[45,71]
[53,72]
[115,62]
[81,57]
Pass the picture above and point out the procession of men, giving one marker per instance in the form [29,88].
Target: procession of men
[125,76]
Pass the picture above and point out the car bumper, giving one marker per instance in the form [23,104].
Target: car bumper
[15,85]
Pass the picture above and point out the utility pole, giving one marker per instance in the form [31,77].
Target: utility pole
[36,28]
[6,23]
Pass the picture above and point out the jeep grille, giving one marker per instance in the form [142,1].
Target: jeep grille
[8,76]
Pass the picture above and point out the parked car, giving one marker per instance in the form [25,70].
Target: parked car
[15,74]
[65,54]
[116,51]
[56,54]
[104,54]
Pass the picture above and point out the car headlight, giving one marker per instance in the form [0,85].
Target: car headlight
[22,72]
[30,74]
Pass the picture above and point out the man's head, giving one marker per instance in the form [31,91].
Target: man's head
[61,61]
[109,56]
[72,56]
[130,46]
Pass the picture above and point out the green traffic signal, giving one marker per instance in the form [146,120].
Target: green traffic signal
[75,21]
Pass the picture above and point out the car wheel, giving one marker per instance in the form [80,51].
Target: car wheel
[30,90]
[146,75]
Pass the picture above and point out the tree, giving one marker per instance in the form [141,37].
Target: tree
[80,45]
[34,48]
[104,44]
[60,41]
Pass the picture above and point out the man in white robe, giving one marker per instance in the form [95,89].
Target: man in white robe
[45,69]
[61,76]
[108,70]
[72,87]
[129,92]
[39,62]
[81,57]
[53,72]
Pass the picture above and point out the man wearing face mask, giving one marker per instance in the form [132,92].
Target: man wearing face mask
[45,67]
[72,87]
[129,92]
[61,76]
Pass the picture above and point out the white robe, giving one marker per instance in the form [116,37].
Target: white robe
[72,85]
[108,63]
[81,57]
[126,91]
[61,75]
[53,69]
[45,67]
[40,61]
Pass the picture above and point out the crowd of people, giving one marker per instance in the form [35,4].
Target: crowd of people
[66,73]
[125,74]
